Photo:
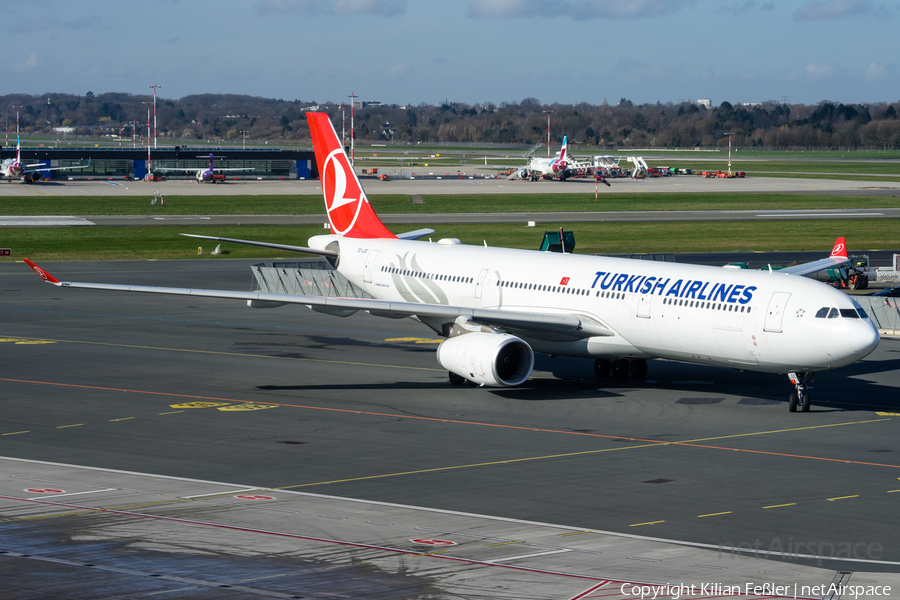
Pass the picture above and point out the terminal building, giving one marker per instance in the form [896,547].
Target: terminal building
[121,163]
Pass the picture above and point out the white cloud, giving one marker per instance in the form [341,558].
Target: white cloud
[29,64]
[383,8]
[875,71]
[820,10]
[814,71]
[581,9]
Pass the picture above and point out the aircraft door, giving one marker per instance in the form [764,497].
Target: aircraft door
[775,311]
[643,307]
[479,283]
[370,263]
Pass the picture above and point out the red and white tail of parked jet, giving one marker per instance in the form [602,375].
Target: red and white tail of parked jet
[14,168]
[496,307]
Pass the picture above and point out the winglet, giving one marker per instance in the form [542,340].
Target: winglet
[43,274]
[840,248]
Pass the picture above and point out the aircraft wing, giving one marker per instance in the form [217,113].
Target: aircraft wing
[838,257]
[569,326]
[39,167]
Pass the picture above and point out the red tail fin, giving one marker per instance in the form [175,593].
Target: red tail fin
[840,248]
[349,211]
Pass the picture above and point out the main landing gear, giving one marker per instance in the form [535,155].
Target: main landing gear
[621,368]
[802,382]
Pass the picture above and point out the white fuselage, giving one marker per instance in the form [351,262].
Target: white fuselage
[756,320]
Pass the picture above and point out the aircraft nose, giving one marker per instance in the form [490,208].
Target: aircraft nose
[864,338]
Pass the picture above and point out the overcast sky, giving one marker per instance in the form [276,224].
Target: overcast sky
[472,51]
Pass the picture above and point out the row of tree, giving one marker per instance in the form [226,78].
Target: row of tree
[605,126]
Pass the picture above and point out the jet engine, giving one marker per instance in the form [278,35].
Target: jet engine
[32,177]
[492,359]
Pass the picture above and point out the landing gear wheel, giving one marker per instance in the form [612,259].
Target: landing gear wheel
[638,368]
[456,379]
[602,367]
[801,398]
[620,368]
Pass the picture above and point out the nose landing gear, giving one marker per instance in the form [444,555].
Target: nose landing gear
[802,382]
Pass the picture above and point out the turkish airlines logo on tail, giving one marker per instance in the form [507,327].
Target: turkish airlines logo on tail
[343,195]
[840,248]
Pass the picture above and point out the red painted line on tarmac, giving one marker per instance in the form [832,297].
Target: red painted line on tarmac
[455,421]
[589,590]
[304,537]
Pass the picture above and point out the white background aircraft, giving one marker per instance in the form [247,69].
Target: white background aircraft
[14,168]
[498,306]
[204,175]
[562,165]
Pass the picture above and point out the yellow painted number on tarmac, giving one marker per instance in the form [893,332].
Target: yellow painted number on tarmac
[417,340]
[22,341]
[245,407]
[198,404]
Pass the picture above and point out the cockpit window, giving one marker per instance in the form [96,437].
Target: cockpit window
[862,313]
[822,312]
[833,313]
[849,313]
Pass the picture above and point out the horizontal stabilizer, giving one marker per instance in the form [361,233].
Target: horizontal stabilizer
[264,245]
[414,235]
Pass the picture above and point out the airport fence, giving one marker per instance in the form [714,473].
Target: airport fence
[883,310]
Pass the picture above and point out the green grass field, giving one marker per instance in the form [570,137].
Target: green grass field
[120,243]
[401,203]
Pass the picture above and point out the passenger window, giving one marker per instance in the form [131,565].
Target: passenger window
[849,313]
[822,312]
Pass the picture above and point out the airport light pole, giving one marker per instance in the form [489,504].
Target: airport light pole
[154,86]
[729,151]
[352,134]
[148,137]
[243,139]
[548,131]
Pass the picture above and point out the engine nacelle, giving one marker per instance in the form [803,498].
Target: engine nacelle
[492,359]
[32,177]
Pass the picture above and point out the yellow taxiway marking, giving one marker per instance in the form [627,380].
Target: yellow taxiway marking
[417,340]
[246,407]
[15,432]
[198,405]
[456,467]
[573,533]
[76,425]
[25,341]
[727,512]
[780,505]
[842,498]
[647,523]
[122,419]
[888,414]
[889,491]
[504,543]
[174,412]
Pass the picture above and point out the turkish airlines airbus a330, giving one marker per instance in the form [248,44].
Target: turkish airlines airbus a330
[497,306]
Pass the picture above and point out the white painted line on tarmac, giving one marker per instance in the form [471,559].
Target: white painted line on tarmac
[74,494]
[532,555]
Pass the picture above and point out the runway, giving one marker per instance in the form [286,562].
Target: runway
[281,402]
[439,218]
[471,183]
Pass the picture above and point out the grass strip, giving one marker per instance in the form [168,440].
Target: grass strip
[121,243]
[543,201]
